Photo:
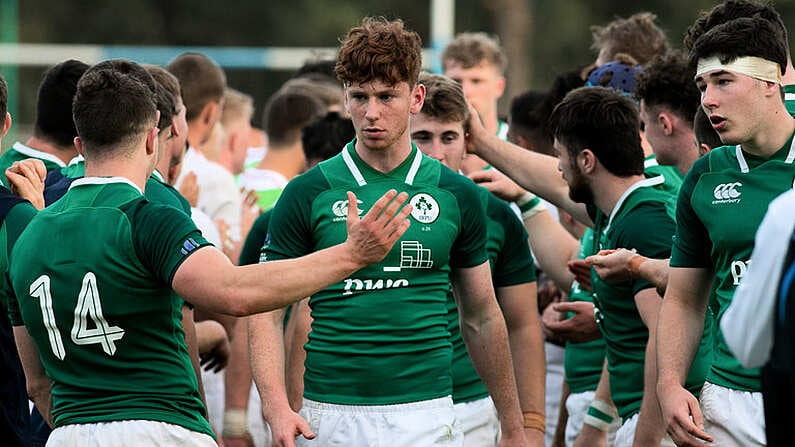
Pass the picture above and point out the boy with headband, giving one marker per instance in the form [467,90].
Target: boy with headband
[739,66]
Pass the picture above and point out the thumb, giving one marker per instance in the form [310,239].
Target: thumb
[302,428]
[353,208]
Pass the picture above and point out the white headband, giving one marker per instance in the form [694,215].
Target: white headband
[752,66]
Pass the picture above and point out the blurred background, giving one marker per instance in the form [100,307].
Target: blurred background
[261,43]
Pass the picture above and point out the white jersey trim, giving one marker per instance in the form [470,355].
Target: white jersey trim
[653,181]
[357,174]
[103,181]
[744,164]
[35,153]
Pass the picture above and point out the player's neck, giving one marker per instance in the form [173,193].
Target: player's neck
[288,160]
[64,153]
[136,171]
[776,130]
[386,159]
[689,153]
[609,190]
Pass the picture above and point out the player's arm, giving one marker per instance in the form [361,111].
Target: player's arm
[38,384]
[484,332]
[650,429]
[519,307]
[266,351]
[534,172]
[296,336]
[679,330]
[553,247]
[207,278]
[595,427]
[623,264]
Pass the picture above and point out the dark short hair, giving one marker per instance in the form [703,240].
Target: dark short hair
[444,99]
[164,98]
[286,113]
[730,10]
[202,81]
[746,36]
[704,132]
[528,118]
[380,50]
[604,121]
[325,137]
[667,81]
[57,89]
[114,104]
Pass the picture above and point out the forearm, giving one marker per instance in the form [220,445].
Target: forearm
[266,355]
[38,385]
[534,172]
[214,284]
[529,365]
[237,375]
[487,343]
[654,271]
[296,336]
[679,331]
[191,343]
[650,428]
[553,247]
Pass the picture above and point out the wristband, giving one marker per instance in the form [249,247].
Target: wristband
[235,423]
[634,265]
[529,207]
[534,420]
[600,415]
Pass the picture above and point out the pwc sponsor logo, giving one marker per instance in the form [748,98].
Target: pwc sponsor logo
[727,193]
[355,285]
[738,269]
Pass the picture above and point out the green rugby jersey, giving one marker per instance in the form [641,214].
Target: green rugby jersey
[511,264]
[380,337]
[722,202]
[643,219]
[583,362]
[19,152]
[93,288]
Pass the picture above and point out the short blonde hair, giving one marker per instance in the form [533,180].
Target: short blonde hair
[237,105]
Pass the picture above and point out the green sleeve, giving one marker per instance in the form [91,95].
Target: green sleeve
[469,248]
[514,264]
[691,243]
[648,229]
[255,241]
[290,229]
[163,237]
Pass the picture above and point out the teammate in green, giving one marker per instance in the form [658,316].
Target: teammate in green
[722,202]
[378,356]
[53,131]
[92,280]
[439,132]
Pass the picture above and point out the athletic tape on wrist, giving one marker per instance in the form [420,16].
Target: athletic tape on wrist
[235,423]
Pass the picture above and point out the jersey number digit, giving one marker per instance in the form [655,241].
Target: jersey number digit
[88,306]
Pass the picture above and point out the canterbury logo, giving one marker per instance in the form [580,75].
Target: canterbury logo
[727,193]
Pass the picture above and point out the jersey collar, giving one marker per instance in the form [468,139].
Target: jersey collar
[35,153]
[652,181]
[103,181]
[738,150]
[353,162]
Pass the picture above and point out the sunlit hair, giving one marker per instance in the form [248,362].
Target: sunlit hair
[469,49]
[380,50]
[444,99]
